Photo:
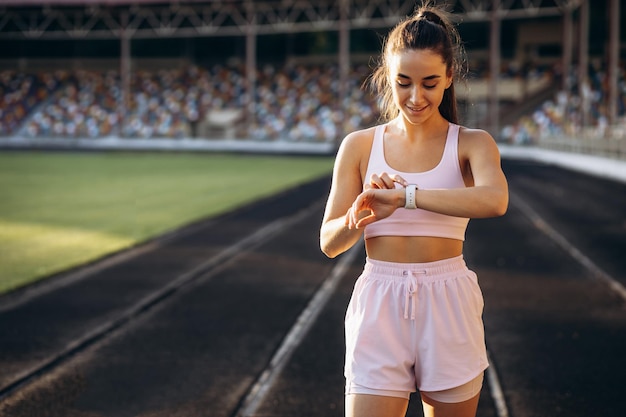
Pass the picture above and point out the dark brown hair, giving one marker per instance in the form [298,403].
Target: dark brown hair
[430,27]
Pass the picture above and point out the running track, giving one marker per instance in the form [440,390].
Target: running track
[242,315]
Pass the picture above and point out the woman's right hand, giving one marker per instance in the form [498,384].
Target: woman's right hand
[381,197]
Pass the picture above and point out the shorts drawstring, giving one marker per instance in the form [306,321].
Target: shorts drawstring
[411,293]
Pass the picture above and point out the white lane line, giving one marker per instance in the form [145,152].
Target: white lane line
[540,224]
[101,331]
[307,318]
[497,393]
[496,389]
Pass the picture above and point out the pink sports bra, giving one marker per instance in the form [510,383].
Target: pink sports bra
[446,175]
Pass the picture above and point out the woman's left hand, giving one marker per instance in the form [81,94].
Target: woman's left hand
[385,181]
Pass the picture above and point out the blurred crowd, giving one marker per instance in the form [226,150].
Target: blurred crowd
[293,103]
[301,102]
[573,111]
[20,94]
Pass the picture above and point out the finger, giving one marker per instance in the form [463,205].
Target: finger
[387,181]
[354,215]
[365,221]
[399,180]
[351,220]
[357,207]
[375,182]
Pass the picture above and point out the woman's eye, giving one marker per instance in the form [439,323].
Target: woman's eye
[403,85]
[430,87]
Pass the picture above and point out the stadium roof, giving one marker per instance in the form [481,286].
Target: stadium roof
[102,19]
[533,6]
[94,2]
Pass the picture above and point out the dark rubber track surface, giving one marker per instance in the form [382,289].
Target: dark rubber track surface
[555,333]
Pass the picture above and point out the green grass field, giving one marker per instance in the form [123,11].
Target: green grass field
[60,210]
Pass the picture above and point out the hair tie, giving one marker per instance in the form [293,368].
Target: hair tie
[432,17]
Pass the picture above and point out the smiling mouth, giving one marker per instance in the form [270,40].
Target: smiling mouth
[416,109]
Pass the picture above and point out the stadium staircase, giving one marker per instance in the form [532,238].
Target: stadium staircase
[511,113]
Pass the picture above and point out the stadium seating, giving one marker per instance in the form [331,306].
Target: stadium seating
[561,117]
[295,102]
[20,93]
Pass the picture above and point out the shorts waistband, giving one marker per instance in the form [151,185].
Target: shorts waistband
[427,271]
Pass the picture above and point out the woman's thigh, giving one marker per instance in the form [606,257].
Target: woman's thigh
[365,405]
[433,408]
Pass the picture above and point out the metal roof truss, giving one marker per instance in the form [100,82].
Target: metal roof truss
[238,18]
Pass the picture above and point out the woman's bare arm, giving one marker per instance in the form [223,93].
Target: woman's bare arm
[347,184]
[488,196]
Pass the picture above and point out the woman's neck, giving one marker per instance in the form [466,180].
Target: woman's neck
[433,127]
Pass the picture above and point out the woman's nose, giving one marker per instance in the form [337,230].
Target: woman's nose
[415,94]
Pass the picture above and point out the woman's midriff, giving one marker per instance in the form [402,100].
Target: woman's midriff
[412,249]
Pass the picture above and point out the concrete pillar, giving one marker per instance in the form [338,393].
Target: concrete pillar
[344,60]
[614,41]
[568,42]
[583,61]
[494,69]
[125,68]
[251,65]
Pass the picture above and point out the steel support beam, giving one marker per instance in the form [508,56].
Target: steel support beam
[568,43]
[583,62]
[344,61]
[614,36]
[251,64]
[494,68]
[125,71]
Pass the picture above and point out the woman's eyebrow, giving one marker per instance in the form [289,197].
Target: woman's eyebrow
[430,77]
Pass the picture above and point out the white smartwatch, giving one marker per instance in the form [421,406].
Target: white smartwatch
[410,197]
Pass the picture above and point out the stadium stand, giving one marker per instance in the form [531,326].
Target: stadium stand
[295,102]
[292,102]
[20,94]
[560,116]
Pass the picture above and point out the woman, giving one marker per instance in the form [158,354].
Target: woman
[410,186]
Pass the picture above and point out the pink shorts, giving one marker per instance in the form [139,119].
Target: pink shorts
[415,326]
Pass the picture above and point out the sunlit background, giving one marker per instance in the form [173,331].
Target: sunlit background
[264,77]
[541,72]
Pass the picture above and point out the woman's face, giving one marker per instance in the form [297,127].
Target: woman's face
[418,78]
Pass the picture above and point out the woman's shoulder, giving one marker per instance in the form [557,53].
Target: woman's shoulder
[475,136]
[478,140]
[359,139]
[362,134]
[356,147]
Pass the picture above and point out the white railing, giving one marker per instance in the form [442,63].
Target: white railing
[609,142]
